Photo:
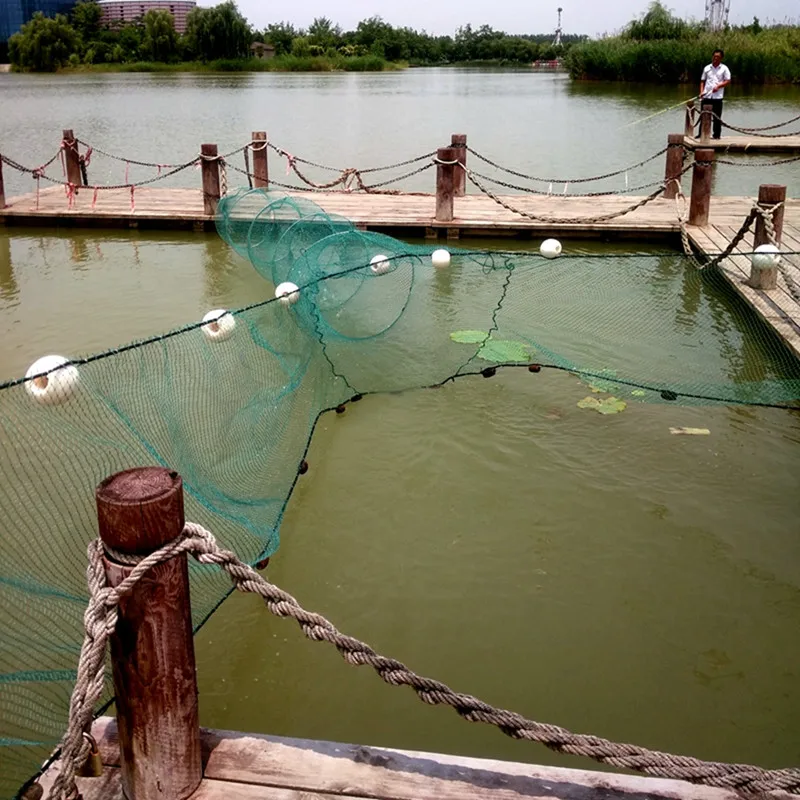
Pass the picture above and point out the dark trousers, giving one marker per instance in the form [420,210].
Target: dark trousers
[716,108]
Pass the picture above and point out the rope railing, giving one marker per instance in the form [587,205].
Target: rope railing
[101,616]
[613,174]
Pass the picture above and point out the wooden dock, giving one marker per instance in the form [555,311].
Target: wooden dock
[746,144]
[237,766]
[474,215]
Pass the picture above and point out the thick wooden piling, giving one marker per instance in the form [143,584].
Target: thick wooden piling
[152,651]
[459,142]
[72,158]
[210,166]
[672,172]
[260,161]
[705,121]
[702,174]
[445,183]
[770,195]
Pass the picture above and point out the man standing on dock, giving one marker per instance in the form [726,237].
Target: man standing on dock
[716,76]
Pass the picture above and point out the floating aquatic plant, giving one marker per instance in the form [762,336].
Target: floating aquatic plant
[608,405]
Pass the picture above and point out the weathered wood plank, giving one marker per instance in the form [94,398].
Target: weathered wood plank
[747,144]
[313,769]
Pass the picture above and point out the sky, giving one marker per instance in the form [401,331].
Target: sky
[592,17]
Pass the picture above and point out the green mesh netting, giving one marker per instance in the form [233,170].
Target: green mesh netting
[232,407]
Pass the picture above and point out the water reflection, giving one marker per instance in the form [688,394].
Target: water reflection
[9,290]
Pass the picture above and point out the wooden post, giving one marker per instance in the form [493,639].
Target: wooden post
[210,168]
[705,122]
[445,183]
[672,173]
[688,123]
[459,141]
[72,157]
[2,187]
[260,162]
[152,650]
[769,194]
[701,186]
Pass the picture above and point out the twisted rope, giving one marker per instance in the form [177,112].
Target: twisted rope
[568,180]
[561,220]
[101,617]
[287,155]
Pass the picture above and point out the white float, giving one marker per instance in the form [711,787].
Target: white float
[380,265]
[57,380]
[288,293]
[219,325]
[550,248]
[765,256]
[440,258]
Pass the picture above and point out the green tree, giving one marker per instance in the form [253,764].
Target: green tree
[43,44]
[323,34]
[218,32]
[85,18]
[280,36]
[160,40]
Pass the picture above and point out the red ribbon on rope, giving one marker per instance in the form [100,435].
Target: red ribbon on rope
[87,157]
[290,160]
[71,191]
[94,198]
[133,202]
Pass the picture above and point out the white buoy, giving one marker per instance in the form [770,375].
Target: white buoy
[55,383]
[550,248]
[219,325]
[440,259]
[765,256]
[288,293]
[380,265]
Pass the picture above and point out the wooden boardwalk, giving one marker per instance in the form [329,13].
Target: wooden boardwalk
[475,215]
[747,144]
[249,767]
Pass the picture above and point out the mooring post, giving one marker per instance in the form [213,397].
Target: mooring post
[459,142]
[260,162]
[688,123]
[209,156]
[672,173]
[702,174]
[706,113]
[152,651]
[445,182]
[2,187]
[770,195]
[72,158]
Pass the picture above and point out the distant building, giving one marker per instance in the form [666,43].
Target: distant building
[261,50]
[131,10]
[15,13]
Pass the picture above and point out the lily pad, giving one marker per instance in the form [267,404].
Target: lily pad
[468,337]
[609,405]
[500,351]
[639,393]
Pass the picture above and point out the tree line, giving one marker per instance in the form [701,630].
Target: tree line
[660,47]
[221,32]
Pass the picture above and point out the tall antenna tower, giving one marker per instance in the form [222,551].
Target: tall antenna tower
[557,40]
[717,14]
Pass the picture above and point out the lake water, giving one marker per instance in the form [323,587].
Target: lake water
[594,572]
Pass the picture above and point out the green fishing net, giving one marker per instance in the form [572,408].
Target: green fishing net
[231,402]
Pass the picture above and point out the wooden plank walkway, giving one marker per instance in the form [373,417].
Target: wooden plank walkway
[475,215]
[250,767]
[747,144]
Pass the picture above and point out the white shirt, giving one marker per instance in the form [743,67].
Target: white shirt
[713,76]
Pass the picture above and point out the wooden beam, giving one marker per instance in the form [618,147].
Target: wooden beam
[459,142]
[702,174]
[152,651]
[706,117]
[2,187]
[770,196]
[260,161]
[445,183]
[72,157]
[211,187]
[672,172]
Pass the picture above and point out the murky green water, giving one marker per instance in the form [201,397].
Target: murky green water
[595,572]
